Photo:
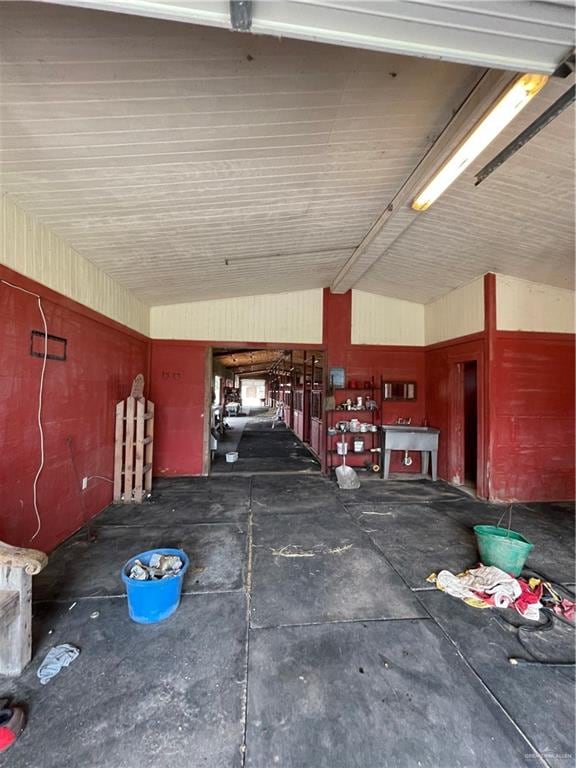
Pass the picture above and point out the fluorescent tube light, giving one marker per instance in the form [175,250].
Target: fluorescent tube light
[505,109]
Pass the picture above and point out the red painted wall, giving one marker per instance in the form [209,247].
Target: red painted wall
[177,387]
[526,397]
[364,362]
[78,412]
[336,325]
[532,402]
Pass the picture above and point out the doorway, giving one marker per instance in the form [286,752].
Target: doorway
[265,411]
[470,381]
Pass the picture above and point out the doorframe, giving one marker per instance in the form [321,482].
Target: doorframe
[208,369]
[208,380]
[456,432]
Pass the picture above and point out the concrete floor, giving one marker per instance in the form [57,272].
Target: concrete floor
[307,636]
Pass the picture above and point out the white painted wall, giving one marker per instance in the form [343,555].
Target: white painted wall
[384,320]
[32,249]
[525,306]
[458,313]
[252,392]
[294,317]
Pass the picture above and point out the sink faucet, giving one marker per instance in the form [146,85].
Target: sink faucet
[404,421]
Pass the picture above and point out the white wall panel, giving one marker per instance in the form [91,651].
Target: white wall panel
[456,314]
[294,317]
[525,306]
[30,248]
[384,320]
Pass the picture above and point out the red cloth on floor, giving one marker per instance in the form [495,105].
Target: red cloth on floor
[7,737]
[528,597]
[566,609]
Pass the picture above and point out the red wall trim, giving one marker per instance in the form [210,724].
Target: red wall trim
[489,388]
[535,336]
[490,302]
[279,345]
[386,348]
[479,336]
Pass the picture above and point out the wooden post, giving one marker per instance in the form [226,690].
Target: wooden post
[17,566]
[129,450]
[118,452]
[149,450]
[16,623]
[139,451]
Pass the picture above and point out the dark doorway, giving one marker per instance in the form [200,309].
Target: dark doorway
[470,423]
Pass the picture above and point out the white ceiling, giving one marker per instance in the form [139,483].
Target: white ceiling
[519,221]
[162,150]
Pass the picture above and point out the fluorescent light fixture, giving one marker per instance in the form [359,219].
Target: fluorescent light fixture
[504,110]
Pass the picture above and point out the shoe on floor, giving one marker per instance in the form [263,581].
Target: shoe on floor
[12,723]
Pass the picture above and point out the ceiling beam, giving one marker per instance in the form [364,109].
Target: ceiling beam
[526,36]
[398,216]
[241,15]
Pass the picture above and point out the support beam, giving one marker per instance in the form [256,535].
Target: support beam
[526,36]
[241,15]
[398,216]
[565,101]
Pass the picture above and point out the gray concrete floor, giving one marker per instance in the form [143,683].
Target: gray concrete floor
[262,448]
[307,636]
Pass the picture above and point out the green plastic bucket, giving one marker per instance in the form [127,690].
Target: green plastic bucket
[503,548]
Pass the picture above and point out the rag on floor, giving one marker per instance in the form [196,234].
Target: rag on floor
[57,657]
[566,609]
[490,587]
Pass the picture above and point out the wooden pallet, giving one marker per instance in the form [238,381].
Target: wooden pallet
[133,449]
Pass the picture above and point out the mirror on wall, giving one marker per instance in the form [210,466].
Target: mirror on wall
[398,390]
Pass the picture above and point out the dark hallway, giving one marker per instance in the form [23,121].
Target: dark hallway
[263,445]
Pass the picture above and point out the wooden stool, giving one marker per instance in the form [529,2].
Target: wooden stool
[17,566]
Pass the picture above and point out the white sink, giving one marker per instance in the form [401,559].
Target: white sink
[405,428]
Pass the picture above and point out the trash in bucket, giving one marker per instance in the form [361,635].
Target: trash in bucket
[502,547]
[159,567]
[154,584]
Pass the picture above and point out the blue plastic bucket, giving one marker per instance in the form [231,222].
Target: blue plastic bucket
[153,601]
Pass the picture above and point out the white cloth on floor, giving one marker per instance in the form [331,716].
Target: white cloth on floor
[453,585]
[58,657]
[485,578]
[505,594]
[531,611]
